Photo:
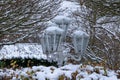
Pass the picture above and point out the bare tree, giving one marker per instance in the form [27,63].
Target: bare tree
[101,19]
[21,18]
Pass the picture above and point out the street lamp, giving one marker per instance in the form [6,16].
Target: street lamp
[80,41]
[63,22]
[51,40]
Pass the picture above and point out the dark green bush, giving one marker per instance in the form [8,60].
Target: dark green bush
[27,62]
[2,64]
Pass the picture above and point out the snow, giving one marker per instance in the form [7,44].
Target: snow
[68,7]
[53,73]
[79,33]
[23,50]
[90,68]
[61,20]
[111,25]
[54,30]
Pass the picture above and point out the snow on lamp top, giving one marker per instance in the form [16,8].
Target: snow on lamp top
[79,33]
[54,30]
[61,20]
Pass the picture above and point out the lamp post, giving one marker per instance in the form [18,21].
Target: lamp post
[63,22]
[80,41]
[51,41]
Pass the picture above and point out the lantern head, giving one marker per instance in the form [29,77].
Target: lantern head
[51,39]
[63,22]
[80,41]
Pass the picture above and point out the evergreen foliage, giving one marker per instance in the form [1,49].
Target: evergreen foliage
[27,62]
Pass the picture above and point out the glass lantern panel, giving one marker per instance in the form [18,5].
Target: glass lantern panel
[54,43]
[43,44]
[58,39]
[79,44]
[51,42]
[75,44]
[47,43]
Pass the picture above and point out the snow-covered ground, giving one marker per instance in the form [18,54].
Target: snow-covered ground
[32,50]
[71,72]
[23,50]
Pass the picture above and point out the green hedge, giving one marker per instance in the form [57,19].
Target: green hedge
[19,62]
